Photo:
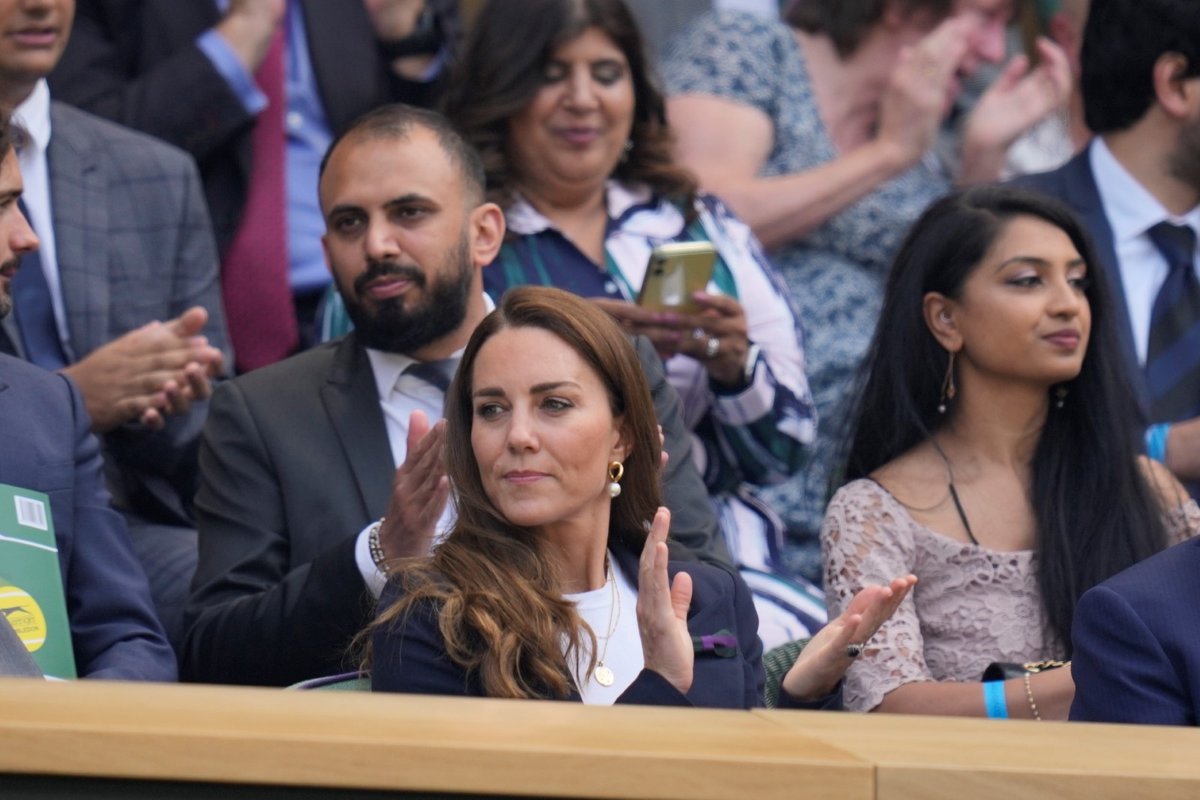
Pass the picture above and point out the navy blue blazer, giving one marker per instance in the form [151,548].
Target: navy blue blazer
[1137,643]
[1074,184]
[412,656]
[46,445]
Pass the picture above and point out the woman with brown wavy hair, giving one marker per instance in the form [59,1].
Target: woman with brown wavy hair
[555,581]
[559,99]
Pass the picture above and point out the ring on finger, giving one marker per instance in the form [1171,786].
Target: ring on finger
[698,333]
[854,650]
[712,348]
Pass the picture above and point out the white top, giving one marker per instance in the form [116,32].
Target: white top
[623,653]
[34,116]
[1131,212]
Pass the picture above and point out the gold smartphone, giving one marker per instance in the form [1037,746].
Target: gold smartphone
[676,271]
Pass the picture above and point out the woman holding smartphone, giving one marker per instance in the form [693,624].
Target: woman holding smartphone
[557,97]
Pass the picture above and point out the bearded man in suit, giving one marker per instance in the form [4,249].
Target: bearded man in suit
[319,471]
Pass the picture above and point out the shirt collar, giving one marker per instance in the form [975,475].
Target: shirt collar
[34,115]
[625,204]
[388,366]
[1129,206]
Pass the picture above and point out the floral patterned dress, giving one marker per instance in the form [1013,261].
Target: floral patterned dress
[837,272]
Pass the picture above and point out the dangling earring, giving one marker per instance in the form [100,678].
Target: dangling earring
[626,150]
[1060,396]
[948,388]
[616,470]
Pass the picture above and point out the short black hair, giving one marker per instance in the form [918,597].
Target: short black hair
[396,121]
[1121,43]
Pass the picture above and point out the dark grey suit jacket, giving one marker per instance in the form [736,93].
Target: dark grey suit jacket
[295,462]
[134,244]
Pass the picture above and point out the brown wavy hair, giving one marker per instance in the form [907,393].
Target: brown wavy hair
[501,611]
[848,22]
[501,69]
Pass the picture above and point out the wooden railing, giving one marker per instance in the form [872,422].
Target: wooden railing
[88,735]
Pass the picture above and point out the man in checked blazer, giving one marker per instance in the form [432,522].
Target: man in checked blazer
[130,270]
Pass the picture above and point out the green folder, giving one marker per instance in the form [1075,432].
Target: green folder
[31,587]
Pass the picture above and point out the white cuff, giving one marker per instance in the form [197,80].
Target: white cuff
[372,575]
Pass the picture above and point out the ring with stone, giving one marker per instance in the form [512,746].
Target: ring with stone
[698,334]
[854,650]
[713,347]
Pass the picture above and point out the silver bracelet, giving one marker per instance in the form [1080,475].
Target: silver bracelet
[375,548]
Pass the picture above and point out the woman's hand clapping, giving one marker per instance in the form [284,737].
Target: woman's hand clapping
[824,659]
[1019,99]
[662,609]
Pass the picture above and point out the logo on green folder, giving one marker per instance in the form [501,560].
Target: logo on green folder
[24,615]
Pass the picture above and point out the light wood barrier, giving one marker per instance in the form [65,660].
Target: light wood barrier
[79,738]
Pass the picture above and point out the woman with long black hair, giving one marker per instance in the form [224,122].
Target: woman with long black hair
[994,455]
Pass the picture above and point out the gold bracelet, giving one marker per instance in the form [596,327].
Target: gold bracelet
[1029,696]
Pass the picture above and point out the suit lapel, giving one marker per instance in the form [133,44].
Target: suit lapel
[1080,192]
[80,213]
[352,403]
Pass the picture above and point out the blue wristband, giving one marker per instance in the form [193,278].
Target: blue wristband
[1156,441]
[994,701]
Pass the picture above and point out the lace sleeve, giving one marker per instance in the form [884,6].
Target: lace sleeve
[864,541]
[1183,522]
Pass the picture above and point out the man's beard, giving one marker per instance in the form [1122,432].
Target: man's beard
[6,301]
[1184,161]
[400,325]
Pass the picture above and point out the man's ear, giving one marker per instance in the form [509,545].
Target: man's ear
[940,314]
[1172,87]
[487,233]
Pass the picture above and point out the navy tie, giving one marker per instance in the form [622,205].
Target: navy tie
[435,373]
[1173,357]
[35,312]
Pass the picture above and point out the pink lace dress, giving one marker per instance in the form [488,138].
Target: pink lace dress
[971,606]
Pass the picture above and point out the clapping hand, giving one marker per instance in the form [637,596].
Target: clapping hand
[420,490]
[662,609]
[150,373]
[825,658]
[1017,100]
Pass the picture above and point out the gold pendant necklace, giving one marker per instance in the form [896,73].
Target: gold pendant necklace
[602,674]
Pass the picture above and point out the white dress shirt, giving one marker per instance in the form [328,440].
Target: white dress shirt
[34,116]
[1131,212]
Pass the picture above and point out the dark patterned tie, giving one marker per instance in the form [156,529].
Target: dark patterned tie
[35,312]
[435,373]
[1173,357]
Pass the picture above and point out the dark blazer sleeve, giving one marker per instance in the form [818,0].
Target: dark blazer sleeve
[114,629]
[693,522]
[409,654]
[1122,672]
[128,61]
[259,613]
